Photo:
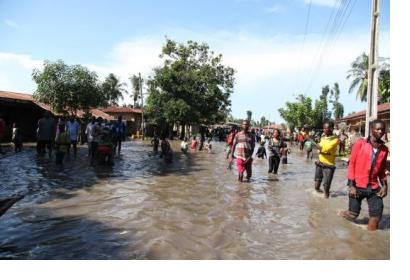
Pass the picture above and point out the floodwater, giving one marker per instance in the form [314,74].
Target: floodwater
[142,208]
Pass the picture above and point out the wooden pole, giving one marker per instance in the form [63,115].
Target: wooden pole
[373,71]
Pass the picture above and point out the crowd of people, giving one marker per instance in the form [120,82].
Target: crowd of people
[103,138]
[367,165]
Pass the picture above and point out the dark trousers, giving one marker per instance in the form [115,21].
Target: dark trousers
[374,201]
[324,173]
[59,157]
[274,162]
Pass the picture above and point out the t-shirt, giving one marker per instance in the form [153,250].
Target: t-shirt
[72,129]
[96,132]
[308,145]
[194,144]
[88,131]
[184,145]
[245,144]
[329,146]
[62,141]
[275,147]
[46,129]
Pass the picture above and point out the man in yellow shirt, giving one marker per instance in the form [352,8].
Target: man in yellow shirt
[325,167]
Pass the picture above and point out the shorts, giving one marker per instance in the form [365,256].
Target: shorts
[374,201]
[324,173]
[42,144]
[242,166]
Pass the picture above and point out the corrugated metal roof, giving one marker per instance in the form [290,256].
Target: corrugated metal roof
[380,108]
[117,109]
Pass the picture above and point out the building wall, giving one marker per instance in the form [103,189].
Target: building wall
[26,114]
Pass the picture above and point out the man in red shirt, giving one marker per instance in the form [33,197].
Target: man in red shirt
[367,166]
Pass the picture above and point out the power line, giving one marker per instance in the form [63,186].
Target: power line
[304,37]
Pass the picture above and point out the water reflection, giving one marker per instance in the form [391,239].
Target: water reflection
[192,209]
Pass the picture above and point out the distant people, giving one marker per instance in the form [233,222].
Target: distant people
[208,145]
[275,147]
[88,133]
[119,132]
[342,142]
[96,133]
[105,149]
[194,143]
[166,151]
[355,136]
[301,139]
[242,149]
[326,166]
[367,176]
[261,152]
[2,130]
[73,128]
[285,152]
[229,141]
[62,142]
[309,148]
[45,134]
[184,145]
[17,138]
[155,144]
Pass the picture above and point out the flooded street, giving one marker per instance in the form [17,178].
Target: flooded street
[142,208]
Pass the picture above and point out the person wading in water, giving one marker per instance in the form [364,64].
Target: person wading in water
[275,147]
[367,167]
[242,149]
[325,167]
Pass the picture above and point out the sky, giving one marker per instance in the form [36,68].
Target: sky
[279,49]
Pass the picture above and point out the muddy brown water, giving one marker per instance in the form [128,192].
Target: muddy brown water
[142,208]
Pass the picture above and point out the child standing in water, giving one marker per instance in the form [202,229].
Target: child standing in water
[62,144]
[184,145]
[166,151]
[17,138]
[261,153]
[308,147]
[155,144]
[208,146]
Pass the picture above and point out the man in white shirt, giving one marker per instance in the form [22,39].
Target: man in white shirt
[88,133]
[72,128]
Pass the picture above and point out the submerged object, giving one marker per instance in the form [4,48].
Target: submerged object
[6,203]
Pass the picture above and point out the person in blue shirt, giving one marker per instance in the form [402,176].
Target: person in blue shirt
[119,133]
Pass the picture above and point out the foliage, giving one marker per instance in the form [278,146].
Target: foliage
[67,88]
[192,86]
[298,114]
[338,108]
[113,90]
[136,89]
[359,74]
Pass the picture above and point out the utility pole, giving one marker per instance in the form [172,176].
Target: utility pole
[373,71]
[142,107]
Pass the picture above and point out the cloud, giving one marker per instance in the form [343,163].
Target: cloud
[269,70]
[274,9]
[11,23]
[324,3]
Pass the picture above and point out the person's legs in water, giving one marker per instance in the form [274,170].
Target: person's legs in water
[276,162]
[271,163]
[318,178]
[248,167]
[328,173]
[376,206]
[119,146]
[241,168]
[74,143]
[50,148]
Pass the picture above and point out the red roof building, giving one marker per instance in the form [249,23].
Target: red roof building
[358,120]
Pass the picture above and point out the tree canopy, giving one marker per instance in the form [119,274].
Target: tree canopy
[113,89]
[191,87]
[67,88]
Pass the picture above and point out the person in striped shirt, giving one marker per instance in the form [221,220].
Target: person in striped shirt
[242,149]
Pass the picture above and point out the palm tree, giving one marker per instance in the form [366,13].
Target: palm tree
[135,85]
[359,73]
[113,89]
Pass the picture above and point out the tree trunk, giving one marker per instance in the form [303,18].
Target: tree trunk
[182,136]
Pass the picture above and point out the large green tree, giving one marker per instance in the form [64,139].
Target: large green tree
[113,89]
[359,75]
[67,88]
[338,108]
[299,113]
[191,87]
[136,89]
[320,111]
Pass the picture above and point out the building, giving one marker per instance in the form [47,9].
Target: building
[358,120]
[132,117]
